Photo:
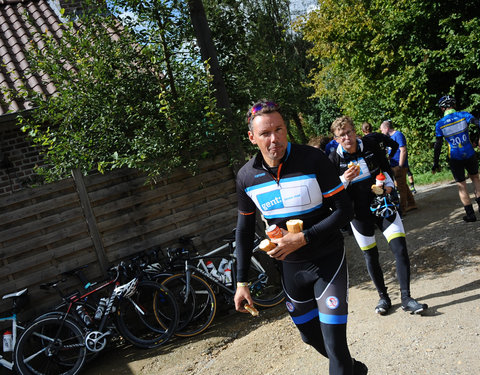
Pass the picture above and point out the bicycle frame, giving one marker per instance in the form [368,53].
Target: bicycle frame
[201,267]
[3,362]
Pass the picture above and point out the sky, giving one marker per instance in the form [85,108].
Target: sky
[302,6]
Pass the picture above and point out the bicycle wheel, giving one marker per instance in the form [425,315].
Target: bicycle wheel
[186,306]
[265,281]
[50,346]
[61,310]
[149,317]
[200,304]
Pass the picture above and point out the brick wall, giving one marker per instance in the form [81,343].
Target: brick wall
[19,158]
[77,7]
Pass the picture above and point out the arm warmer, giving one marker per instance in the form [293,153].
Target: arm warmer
[244,237]
[437,148]
[342,214]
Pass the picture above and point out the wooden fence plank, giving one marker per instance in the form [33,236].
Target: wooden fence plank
[90,218]
[44,223]
[44,231]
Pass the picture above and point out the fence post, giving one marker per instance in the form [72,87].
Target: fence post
[90,218]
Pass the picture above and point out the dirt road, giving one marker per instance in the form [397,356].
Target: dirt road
[445,262]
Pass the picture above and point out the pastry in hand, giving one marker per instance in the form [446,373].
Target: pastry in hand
[377,189]
[252,310]
[267,245]
[295,226]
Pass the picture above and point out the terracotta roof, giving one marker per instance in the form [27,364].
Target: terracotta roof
[15,34]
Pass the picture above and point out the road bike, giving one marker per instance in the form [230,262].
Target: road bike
[141,311]
[197,289]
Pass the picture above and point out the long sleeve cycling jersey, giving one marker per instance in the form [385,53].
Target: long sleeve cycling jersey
[305,186]
[372,161]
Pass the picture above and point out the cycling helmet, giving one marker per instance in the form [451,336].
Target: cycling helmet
[383,206]
[447,101]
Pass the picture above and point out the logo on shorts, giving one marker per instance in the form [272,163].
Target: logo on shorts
[332,302]
[290,306]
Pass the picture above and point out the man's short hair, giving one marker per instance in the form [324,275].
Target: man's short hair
[388,124]
[259,108]
[341,123]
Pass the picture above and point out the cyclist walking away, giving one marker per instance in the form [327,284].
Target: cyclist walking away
[370,211]
[288,181]
[461,154]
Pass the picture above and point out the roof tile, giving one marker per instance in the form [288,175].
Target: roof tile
[15,34]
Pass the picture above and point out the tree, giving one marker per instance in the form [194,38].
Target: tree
[126,97]
[261,56]
[394,59]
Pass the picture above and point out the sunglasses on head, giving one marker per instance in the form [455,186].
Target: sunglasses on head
[258,107]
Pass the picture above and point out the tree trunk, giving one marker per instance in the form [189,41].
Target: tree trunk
[209,53]
[299,126]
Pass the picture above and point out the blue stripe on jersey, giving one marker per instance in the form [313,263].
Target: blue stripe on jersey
[260,186]
[333,319]
[312,314]
[290,214]
[282,180]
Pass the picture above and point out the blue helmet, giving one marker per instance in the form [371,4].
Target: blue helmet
[447,101]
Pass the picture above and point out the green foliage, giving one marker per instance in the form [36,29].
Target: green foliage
[394,59]
[262,57]
[140,100]
[325,112]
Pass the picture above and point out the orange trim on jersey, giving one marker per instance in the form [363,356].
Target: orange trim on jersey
[329,194]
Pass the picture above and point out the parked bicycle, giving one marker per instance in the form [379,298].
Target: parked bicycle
[19,300]
[141,311]
[197,286]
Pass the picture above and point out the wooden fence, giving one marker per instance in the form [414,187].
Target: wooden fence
[100,219]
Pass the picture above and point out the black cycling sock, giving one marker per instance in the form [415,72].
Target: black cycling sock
[374,270]
[469,210]
[478,202]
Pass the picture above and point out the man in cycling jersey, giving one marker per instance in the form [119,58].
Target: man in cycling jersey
[287,181]
[461,154]
[399,164]
[358,162]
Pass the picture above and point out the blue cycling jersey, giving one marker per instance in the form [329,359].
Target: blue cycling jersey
[454,128]
[402,142]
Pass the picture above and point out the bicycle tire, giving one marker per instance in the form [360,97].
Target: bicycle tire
[186,306]
[265,282]
[202,301]
[50,346]
[61,310]
[149,317]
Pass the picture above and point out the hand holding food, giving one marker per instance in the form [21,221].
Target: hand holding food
[357,167]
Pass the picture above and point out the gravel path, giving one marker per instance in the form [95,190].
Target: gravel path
[445,261]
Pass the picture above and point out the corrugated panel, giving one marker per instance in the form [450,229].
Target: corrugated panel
[15,34]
